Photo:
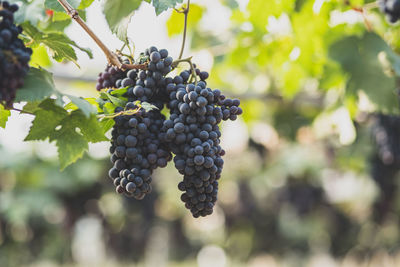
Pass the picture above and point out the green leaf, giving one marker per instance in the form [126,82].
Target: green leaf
[71,131]
[60,46]
[101,102]
[120,91]
[85,4]
[47,118]
[358,57]
[70,144]
[116,101]
[83,105]
[93,130]
[162,5]
[118,14]
[121,29]
[395,61]
[38,85]
[4,114]
[90,127]
[32,107]
[109,108]
[148,106]
[58,43]
[56,6]
[175,23]
[40,57]
[106,124]
[60,16]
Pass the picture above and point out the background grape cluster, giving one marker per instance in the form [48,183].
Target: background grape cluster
[145,140]
[14,56]
[385,161]
[391,8]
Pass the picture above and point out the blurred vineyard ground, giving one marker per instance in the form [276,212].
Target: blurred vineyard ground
[296,189]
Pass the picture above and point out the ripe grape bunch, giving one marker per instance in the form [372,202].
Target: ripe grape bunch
[14,56]
[108,77]
[386,133]
[391,8]
[145,140]
[136,151]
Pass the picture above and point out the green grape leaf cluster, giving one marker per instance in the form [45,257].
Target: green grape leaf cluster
[71,131]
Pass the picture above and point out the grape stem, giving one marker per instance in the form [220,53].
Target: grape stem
[112,58]
[363,10]
[125,112]
[185,12]
[192,70]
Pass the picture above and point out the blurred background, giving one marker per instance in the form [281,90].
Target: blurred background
[304,183]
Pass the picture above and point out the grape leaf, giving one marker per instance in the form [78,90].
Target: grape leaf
[108,108]
[90,128]
[4,114]
[58,43]
[162,5]
[175,23]
[32,107]
[395,61]
[107,124]
[358,57]
[40,57]
[147,106]
[91,100]
[85,4]
[56,6]
[38,85]
[101,102]
[47,118]
[70,144]
[118,14]
[86,108]
[121,29]
[115,100]
[93,130]
[71,131]
[60,16]
[63,16]
[120,91]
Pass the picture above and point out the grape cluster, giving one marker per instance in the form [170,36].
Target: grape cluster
[136,151]
[385,162]
[14,56]
[386,132]
[151,82]
[109,77]
[193,134]
[145,141]
[391,8]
